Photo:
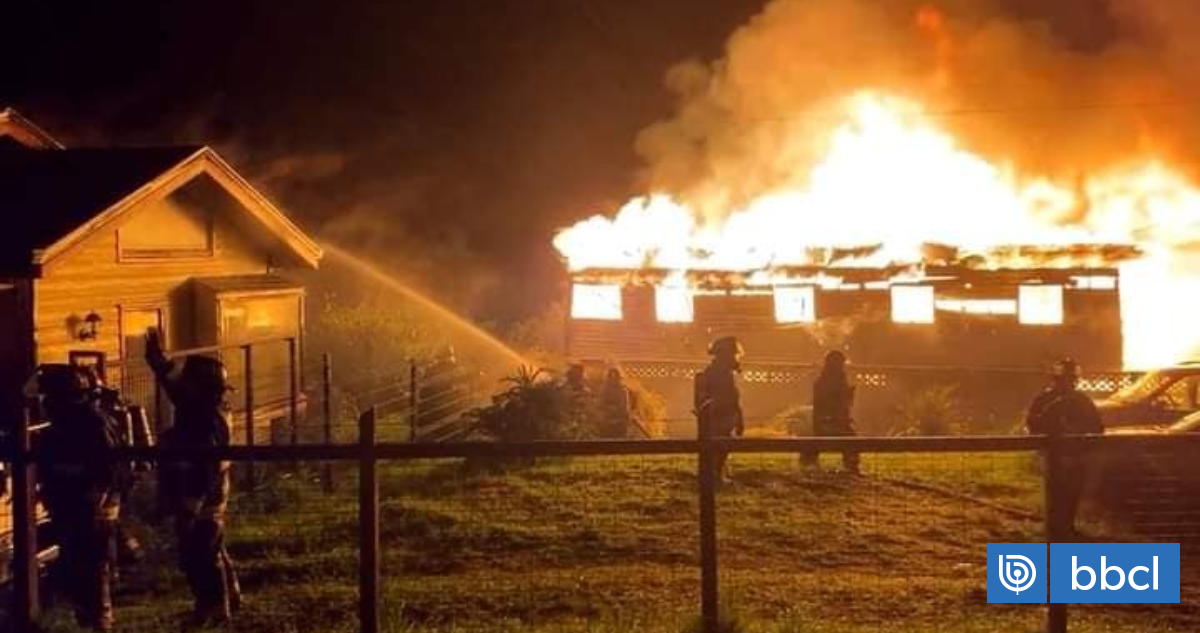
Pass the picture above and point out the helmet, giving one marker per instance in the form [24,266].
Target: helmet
[62,381]
[1066,368]
[726,346]
[835,359]
[207,375]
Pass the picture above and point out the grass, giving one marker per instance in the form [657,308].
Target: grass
[608,545]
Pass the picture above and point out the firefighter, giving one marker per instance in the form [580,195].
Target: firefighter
[717,398]
[196,491]
[615,406]
[80,490]
[576,393]
[832,401]
[1062,409]
[135,430]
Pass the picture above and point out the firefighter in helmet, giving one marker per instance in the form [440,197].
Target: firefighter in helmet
[80,489]
[717,398]
[196,491]
[616,407]
[1061,409]
[832,401]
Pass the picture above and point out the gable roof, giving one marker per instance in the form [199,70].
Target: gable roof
[14,127]
[52,200]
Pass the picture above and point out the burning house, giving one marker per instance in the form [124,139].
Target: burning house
[942,311]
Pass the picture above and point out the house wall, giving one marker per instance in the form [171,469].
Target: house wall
[92,278]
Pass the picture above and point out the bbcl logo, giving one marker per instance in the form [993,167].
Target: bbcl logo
[1016,573]
[1143,573]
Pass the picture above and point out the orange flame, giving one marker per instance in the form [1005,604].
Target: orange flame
[887,174]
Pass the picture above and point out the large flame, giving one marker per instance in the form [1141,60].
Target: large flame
[886,173]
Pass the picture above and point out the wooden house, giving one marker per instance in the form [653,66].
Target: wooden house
[100,244]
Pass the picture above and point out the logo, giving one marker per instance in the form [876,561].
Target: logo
[1016,573]
[1145,573]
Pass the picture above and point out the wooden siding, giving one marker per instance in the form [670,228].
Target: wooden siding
[92,278]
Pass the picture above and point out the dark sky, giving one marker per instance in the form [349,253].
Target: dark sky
[462,132]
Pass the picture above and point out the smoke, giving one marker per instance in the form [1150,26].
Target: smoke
[1056,89]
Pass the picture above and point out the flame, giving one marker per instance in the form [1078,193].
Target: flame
[888,175]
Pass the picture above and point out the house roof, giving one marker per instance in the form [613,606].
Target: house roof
[52,200]
[249,284]
[14,127]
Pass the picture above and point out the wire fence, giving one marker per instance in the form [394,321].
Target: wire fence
[642,535]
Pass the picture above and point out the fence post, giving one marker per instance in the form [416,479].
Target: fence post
[24,515]
[1058,521]
[368,524]
[327,411]
[709,583]
[248,405]
[293,390]
[414,400]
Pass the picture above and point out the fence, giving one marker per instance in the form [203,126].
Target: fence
[367,455]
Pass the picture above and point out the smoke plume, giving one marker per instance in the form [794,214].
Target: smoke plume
[1056,89]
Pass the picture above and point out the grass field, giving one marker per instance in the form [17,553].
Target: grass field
[610,544]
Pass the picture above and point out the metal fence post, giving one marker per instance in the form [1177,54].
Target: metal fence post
[293,390]
[24,516]
[327,411]
[1058,522]
[368,523]
[248,414]
[709,583]
[414,400]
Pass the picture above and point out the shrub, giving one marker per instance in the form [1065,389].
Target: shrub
[934,410]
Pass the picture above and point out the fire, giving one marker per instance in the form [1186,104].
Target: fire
[887,174]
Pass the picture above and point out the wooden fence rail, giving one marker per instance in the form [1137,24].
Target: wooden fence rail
[367,452]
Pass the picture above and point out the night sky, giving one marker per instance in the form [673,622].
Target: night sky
[440,136]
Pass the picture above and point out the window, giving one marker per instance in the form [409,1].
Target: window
[1040,305]
[1095,282]
[595,301]
[673,304]
[795,305]
[912,304]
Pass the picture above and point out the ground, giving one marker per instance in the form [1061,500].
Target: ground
[609,544]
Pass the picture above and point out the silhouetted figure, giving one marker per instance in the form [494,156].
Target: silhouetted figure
[577,393]
[80,489]
[196,491]
[1061,409]
[135,431]
[616,408]
[832,402]
[717,398]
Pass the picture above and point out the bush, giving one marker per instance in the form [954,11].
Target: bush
[934,410]
[537,407]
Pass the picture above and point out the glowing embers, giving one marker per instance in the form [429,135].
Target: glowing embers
[912,304]
[795,304]
[596,301]
[1006,307]
[673,304]
[1040,305]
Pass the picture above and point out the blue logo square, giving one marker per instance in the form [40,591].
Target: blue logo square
[1016,573]
[1103,573]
